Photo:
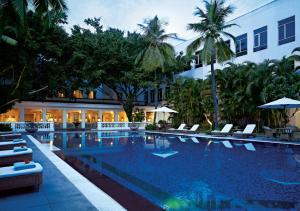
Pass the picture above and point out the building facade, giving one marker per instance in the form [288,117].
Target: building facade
[269,32]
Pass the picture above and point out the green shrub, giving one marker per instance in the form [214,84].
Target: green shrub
[150,127]
[5,127]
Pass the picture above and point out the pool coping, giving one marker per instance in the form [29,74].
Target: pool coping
[230,138]
[98,198]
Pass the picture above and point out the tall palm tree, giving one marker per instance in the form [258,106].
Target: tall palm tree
[16,11]
[212,29]
[157,53]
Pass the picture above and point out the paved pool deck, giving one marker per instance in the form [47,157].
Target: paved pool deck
[258,139]
[63,188]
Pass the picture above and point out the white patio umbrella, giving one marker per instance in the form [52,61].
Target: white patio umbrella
[282,103]
[164,110]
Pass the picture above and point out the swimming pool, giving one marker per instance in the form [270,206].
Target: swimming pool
[184,173]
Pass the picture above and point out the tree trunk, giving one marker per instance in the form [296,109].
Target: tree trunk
[214,93]
[155,96]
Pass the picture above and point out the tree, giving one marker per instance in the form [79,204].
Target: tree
[13,16]
[157,54]
[212,29]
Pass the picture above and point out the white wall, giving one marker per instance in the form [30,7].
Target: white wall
[268,15]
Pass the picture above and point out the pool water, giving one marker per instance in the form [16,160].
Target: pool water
[183,173]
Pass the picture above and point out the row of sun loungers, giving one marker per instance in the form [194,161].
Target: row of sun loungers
[17,170]
[247,132]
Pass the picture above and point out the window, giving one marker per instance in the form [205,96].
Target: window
[159,94]
[146,96]
[260,39]
[227,42]
[241,45]
[167,92]
[77,94]
[286,30]
[91,95]
[152,96]
[198,59]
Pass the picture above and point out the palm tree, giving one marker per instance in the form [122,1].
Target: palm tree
[212,28]
[157,53]
[14,11]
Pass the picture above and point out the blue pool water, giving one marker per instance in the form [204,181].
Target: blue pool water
[180,173]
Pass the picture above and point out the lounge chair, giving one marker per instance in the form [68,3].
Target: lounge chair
[10,136]
[18,154]
[224,132]
[9,145]
[192,130]
[181,127]
[247,132]
[21,175]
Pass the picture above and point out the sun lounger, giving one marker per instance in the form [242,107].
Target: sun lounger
[192,130]
[9,145]
[18,154]
[21,175]
[224,132]
[247,132]
[10,136]
[181,127]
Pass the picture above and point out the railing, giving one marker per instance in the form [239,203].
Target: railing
[21,126]
[121,125]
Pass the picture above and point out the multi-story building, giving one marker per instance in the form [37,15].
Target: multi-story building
[268,32]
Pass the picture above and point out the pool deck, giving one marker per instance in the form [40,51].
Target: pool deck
[258,139]
[63,188]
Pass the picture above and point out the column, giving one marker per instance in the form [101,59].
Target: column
[116,116]
[82,119]
[64,119]
[22,114]
[44,114]
[100,113]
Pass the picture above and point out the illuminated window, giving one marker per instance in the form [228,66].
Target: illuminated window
[77,94]
[91,95]
[60,94]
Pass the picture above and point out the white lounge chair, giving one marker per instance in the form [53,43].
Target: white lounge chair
[21,175]
[224,132]
[247,132]
[9,145]
[9,157]
[192,130]
[181,127]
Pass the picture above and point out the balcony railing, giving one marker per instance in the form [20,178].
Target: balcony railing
[121,125]
[21,126]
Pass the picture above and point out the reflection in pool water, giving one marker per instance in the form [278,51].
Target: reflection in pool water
[183,173]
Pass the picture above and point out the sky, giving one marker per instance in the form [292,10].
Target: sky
[126,14]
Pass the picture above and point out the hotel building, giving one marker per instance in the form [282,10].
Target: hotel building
[268,32]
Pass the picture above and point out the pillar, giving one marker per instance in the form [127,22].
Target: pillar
[116,116]
[44,114]
[64,119]
[100,113]
[82,119]
[22,114]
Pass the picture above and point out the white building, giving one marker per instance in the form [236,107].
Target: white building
[269,32]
